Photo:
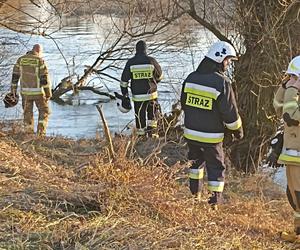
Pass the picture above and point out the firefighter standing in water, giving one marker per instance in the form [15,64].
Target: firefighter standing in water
[209,106]
[286,104]
[144,73]
[32,73]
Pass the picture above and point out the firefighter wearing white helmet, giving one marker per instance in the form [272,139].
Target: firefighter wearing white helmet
[210,109]
[286,104]
[221,50]
[294,67]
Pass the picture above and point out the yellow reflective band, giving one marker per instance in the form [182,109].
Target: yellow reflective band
[215,186]
[124,84]
[37,77]
[146,97]
[29,62]
[291,104]
[296,214]
[152,123]
[289,159]
[141,67]
[234,125]
[143,71]
[196,174]
[198,89]
[140,131]
[198,101]
[31,93]
[203,136]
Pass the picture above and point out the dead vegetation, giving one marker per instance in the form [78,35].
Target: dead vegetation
[58,193]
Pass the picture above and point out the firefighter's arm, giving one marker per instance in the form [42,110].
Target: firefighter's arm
[291,106]
[183,96]
[45,79]
[125,78]
[15,77]
[157,74]
[229,111]
[278,100]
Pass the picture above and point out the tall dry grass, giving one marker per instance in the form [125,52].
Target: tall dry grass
[58,193]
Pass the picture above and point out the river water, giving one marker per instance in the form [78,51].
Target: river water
[79,43]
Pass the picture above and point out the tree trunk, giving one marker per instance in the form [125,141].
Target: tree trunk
[271,33]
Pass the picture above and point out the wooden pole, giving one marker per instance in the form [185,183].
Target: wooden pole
[106,132]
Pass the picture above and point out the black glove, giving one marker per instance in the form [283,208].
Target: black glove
[272,160]
[289,121]
[276,144]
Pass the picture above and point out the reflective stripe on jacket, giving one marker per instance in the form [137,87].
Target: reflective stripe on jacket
[143,73]
[289,100]
[209,106]
[32,72]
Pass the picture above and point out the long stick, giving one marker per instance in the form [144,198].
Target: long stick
[106,132]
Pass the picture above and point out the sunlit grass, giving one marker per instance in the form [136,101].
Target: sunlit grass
[58,193]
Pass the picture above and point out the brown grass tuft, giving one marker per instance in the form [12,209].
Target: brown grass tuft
[59,193]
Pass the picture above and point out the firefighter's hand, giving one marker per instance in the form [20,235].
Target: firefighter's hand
[289,121]
[238,134]
[272,160]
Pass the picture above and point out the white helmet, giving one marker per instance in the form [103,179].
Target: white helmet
[220,50]
[294,66]
[123,103]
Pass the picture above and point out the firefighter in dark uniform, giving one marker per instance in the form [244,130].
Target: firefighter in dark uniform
[144,73]
[210,110]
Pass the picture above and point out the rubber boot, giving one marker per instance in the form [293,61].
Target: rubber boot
[215,199]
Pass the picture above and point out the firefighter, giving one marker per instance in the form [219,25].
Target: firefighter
[286,104]
[210,109]
[32,73]
[144,73]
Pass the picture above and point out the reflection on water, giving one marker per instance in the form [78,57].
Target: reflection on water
[80,42]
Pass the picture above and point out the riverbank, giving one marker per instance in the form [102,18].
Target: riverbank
[59,193]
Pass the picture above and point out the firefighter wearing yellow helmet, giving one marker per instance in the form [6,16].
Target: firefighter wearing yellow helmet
[286,104]
[31,72]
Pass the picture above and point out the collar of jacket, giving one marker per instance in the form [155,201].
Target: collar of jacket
[31,52]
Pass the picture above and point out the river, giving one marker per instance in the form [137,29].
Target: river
[80,41]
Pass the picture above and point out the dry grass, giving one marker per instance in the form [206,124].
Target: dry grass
[57,193]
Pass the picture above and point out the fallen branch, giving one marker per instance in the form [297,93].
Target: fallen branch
[106,132]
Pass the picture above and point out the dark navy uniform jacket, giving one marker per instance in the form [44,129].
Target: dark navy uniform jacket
[143,72]
[209,106]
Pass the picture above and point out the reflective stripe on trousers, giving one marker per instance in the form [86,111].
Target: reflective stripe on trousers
[145,97]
